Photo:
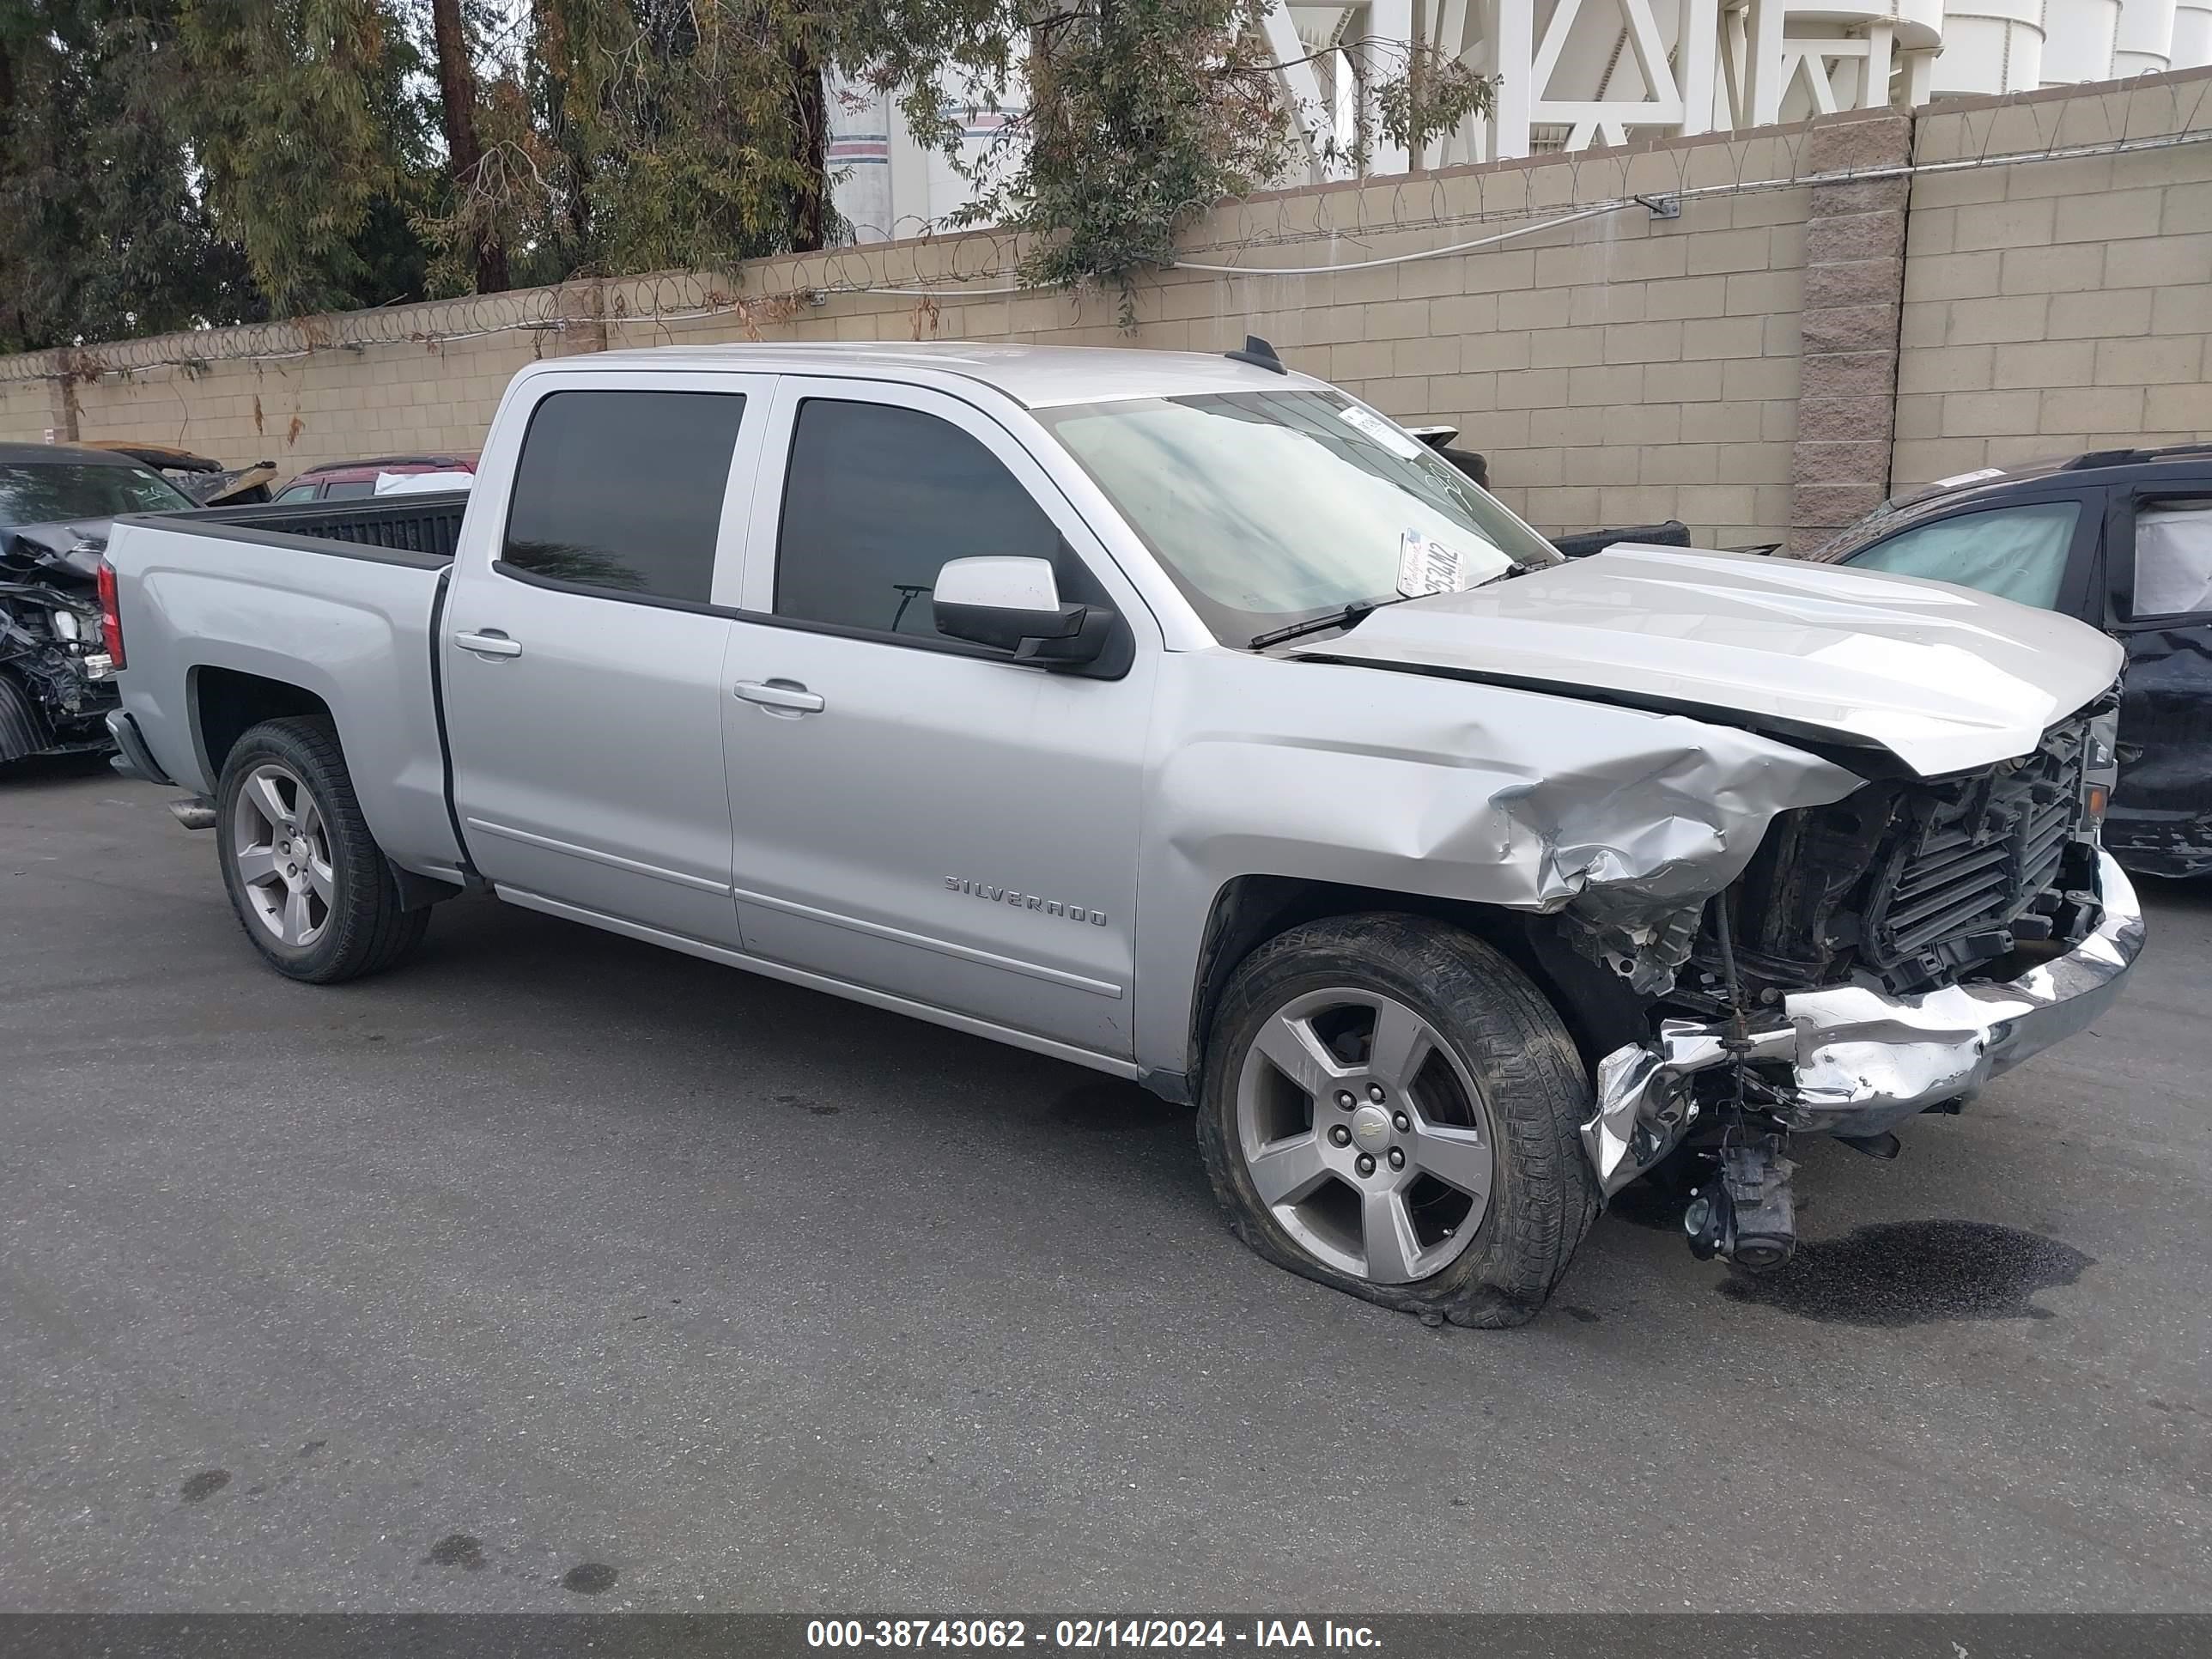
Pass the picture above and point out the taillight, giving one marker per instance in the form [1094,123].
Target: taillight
[111,620]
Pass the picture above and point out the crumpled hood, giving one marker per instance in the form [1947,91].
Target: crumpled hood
[67,551]
[1944,677]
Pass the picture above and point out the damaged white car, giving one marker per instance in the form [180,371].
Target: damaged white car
[1187,720]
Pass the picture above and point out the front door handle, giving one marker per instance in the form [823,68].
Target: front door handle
[489,643]
[780,696]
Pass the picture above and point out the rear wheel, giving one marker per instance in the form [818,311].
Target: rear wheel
[307,880]
[1391,1108]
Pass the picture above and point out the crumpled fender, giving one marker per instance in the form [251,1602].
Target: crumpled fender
[1625,820]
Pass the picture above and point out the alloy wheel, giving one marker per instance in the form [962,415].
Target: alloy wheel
[1365,1136]
[280,842]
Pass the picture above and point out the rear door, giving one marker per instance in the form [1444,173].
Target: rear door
[583,655]
[2159,568]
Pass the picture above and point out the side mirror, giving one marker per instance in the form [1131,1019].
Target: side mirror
[1014,604]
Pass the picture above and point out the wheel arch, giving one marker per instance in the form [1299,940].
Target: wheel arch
[227,703]
[1249,910]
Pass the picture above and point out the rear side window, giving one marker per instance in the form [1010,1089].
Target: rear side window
[2014,552]
[623,490]
[2173,558]
[349,489]
[878,499]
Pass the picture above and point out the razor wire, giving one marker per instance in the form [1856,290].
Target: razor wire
[1236,237]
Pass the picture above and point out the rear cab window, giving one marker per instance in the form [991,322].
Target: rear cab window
[2170,574]
[620,492]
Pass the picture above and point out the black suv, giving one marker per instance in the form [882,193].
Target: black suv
[2121,538]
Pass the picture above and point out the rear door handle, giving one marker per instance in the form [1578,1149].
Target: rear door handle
[489,643]
[786,696]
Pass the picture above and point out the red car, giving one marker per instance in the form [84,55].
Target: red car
[338,481]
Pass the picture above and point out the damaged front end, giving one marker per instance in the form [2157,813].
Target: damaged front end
[56,683]
[1881,956]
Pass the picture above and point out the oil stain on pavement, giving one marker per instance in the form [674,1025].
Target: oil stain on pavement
[204,1485]
[1916,1273]
[456,1549]
[590,1578]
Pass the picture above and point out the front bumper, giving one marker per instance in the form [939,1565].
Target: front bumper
[1862,1062]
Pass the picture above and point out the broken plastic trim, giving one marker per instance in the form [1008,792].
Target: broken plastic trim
[1862,1061]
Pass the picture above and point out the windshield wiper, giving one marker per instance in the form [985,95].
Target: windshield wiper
[1360,609]
[1351,617]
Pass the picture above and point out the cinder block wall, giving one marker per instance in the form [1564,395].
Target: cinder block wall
[1624,368]
[2062,306]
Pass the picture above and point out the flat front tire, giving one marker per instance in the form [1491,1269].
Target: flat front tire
[310,887]
[1390,1107]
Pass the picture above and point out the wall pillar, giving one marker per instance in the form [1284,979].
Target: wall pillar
[581,307]
[62,393]
[1854,295]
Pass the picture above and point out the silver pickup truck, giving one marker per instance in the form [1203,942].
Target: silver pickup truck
[1185,718]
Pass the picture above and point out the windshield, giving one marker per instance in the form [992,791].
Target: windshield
[1270,508]
[44,492]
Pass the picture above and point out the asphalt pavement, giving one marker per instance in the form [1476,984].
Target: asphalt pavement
[553,1270]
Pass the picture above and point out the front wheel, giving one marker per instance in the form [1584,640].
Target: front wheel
[310,886]
[1390,1107]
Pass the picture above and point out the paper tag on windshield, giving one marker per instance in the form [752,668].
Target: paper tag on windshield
[1426,566]
[1397,442]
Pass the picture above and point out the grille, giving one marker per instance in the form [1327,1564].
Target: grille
[1976,852]
[1913,879]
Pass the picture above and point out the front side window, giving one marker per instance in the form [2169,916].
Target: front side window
[878,499]
[2173,558]
[1270,507]
[43,492]
[2015,553]
[623,490]
[298,493]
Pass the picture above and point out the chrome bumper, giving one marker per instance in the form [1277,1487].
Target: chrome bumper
[1864,1061]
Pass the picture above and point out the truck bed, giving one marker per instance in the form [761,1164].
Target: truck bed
[339,599]
[429,525]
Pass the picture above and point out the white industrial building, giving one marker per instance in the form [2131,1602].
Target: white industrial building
[1576,73]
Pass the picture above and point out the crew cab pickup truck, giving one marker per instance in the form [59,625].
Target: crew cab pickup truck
[1075,698]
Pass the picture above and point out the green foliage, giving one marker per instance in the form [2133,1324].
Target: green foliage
[166,162]
[105,235]
[309,120]
[1142,114]
[652,135]
[1154,110]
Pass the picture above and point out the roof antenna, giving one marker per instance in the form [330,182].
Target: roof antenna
[1258,353]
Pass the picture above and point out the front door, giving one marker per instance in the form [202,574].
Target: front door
[583,663]
[910,813]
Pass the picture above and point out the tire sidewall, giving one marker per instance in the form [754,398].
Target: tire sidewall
[1431,981]
[275,743]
